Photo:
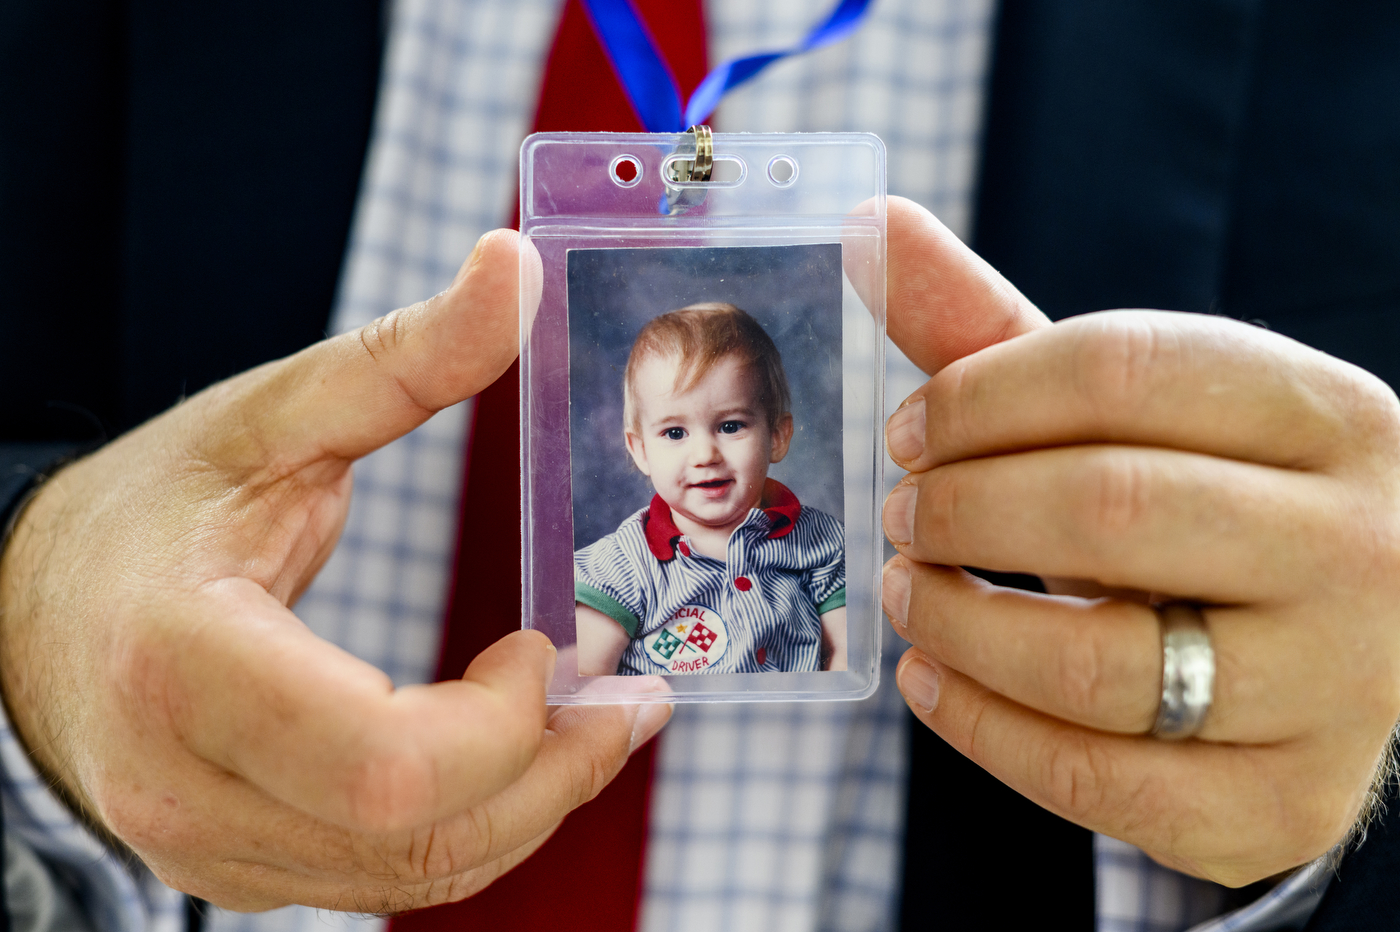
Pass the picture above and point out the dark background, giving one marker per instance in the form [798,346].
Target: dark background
[794,292]
[176,187]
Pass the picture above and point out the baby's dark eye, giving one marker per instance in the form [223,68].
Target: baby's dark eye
[675,433]
[731,427]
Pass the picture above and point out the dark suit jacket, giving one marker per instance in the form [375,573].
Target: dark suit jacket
[177,181]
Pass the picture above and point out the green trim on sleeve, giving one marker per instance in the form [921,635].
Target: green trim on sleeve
[836,600]
[602,602]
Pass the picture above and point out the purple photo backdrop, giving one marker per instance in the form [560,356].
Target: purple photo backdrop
[794,292]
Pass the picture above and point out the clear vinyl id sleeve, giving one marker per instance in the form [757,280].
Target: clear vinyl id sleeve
[701,398]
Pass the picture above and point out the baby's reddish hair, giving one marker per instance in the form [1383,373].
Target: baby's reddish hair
[700,335]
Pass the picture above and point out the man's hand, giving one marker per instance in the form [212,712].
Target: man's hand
[151,663]
[1180,455]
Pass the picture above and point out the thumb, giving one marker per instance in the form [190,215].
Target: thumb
[944,301]
[353,393]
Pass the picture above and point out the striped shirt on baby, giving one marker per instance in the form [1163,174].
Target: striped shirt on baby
[758,610]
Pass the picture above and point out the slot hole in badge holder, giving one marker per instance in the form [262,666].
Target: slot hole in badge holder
[782,171]
[728,172]
[625,171]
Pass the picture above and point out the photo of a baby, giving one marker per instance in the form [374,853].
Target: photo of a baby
[724,569]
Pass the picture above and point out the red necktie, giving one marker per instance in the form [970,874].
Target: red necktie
[588,875]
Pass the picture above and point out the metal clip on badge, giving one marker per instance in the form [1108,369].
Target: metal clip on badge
[697,156]
[691,163]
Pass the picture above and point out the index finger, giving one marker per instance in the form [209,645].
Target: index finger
[1183,381]
[252,690]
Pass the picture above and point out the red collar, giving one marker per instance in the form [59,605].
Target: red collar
[662,533]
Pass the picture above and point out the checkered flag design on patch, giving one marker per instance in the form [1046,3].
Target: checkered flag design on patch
[702,637]
[685,644]
[666,643]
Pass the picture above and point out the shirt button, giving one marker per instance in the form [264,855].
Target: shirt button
[761,655]
[742,583]
[685,551]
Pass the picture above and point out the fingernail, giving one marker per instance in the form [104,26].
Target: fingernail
[918,680]
[650,718]
[899,513]
[473,260]
[904,434]
[894,592]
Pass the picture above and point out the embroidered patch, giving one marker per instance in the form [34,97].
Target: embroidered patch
[691,641]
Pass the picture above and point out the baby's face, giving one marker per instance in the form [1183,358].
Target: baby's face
[706,450]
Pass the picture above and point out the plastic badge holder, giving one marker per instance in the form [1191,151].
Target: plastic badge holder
[784,226]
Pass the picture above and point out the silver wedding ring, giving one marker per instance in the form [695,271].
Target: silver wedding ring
[1188,671]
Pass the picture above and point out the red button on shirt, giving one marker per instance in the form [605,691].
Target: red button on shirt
[685,551]
[761,655]
[742,584]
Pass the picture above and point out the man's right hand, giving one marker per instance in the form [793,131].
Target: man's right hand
[153,667]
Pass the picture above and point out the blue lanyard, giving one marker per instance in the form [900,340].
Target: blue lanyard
[650,84]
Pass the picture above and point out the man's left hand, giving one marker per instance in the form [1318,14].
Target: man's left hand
[1176,455]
